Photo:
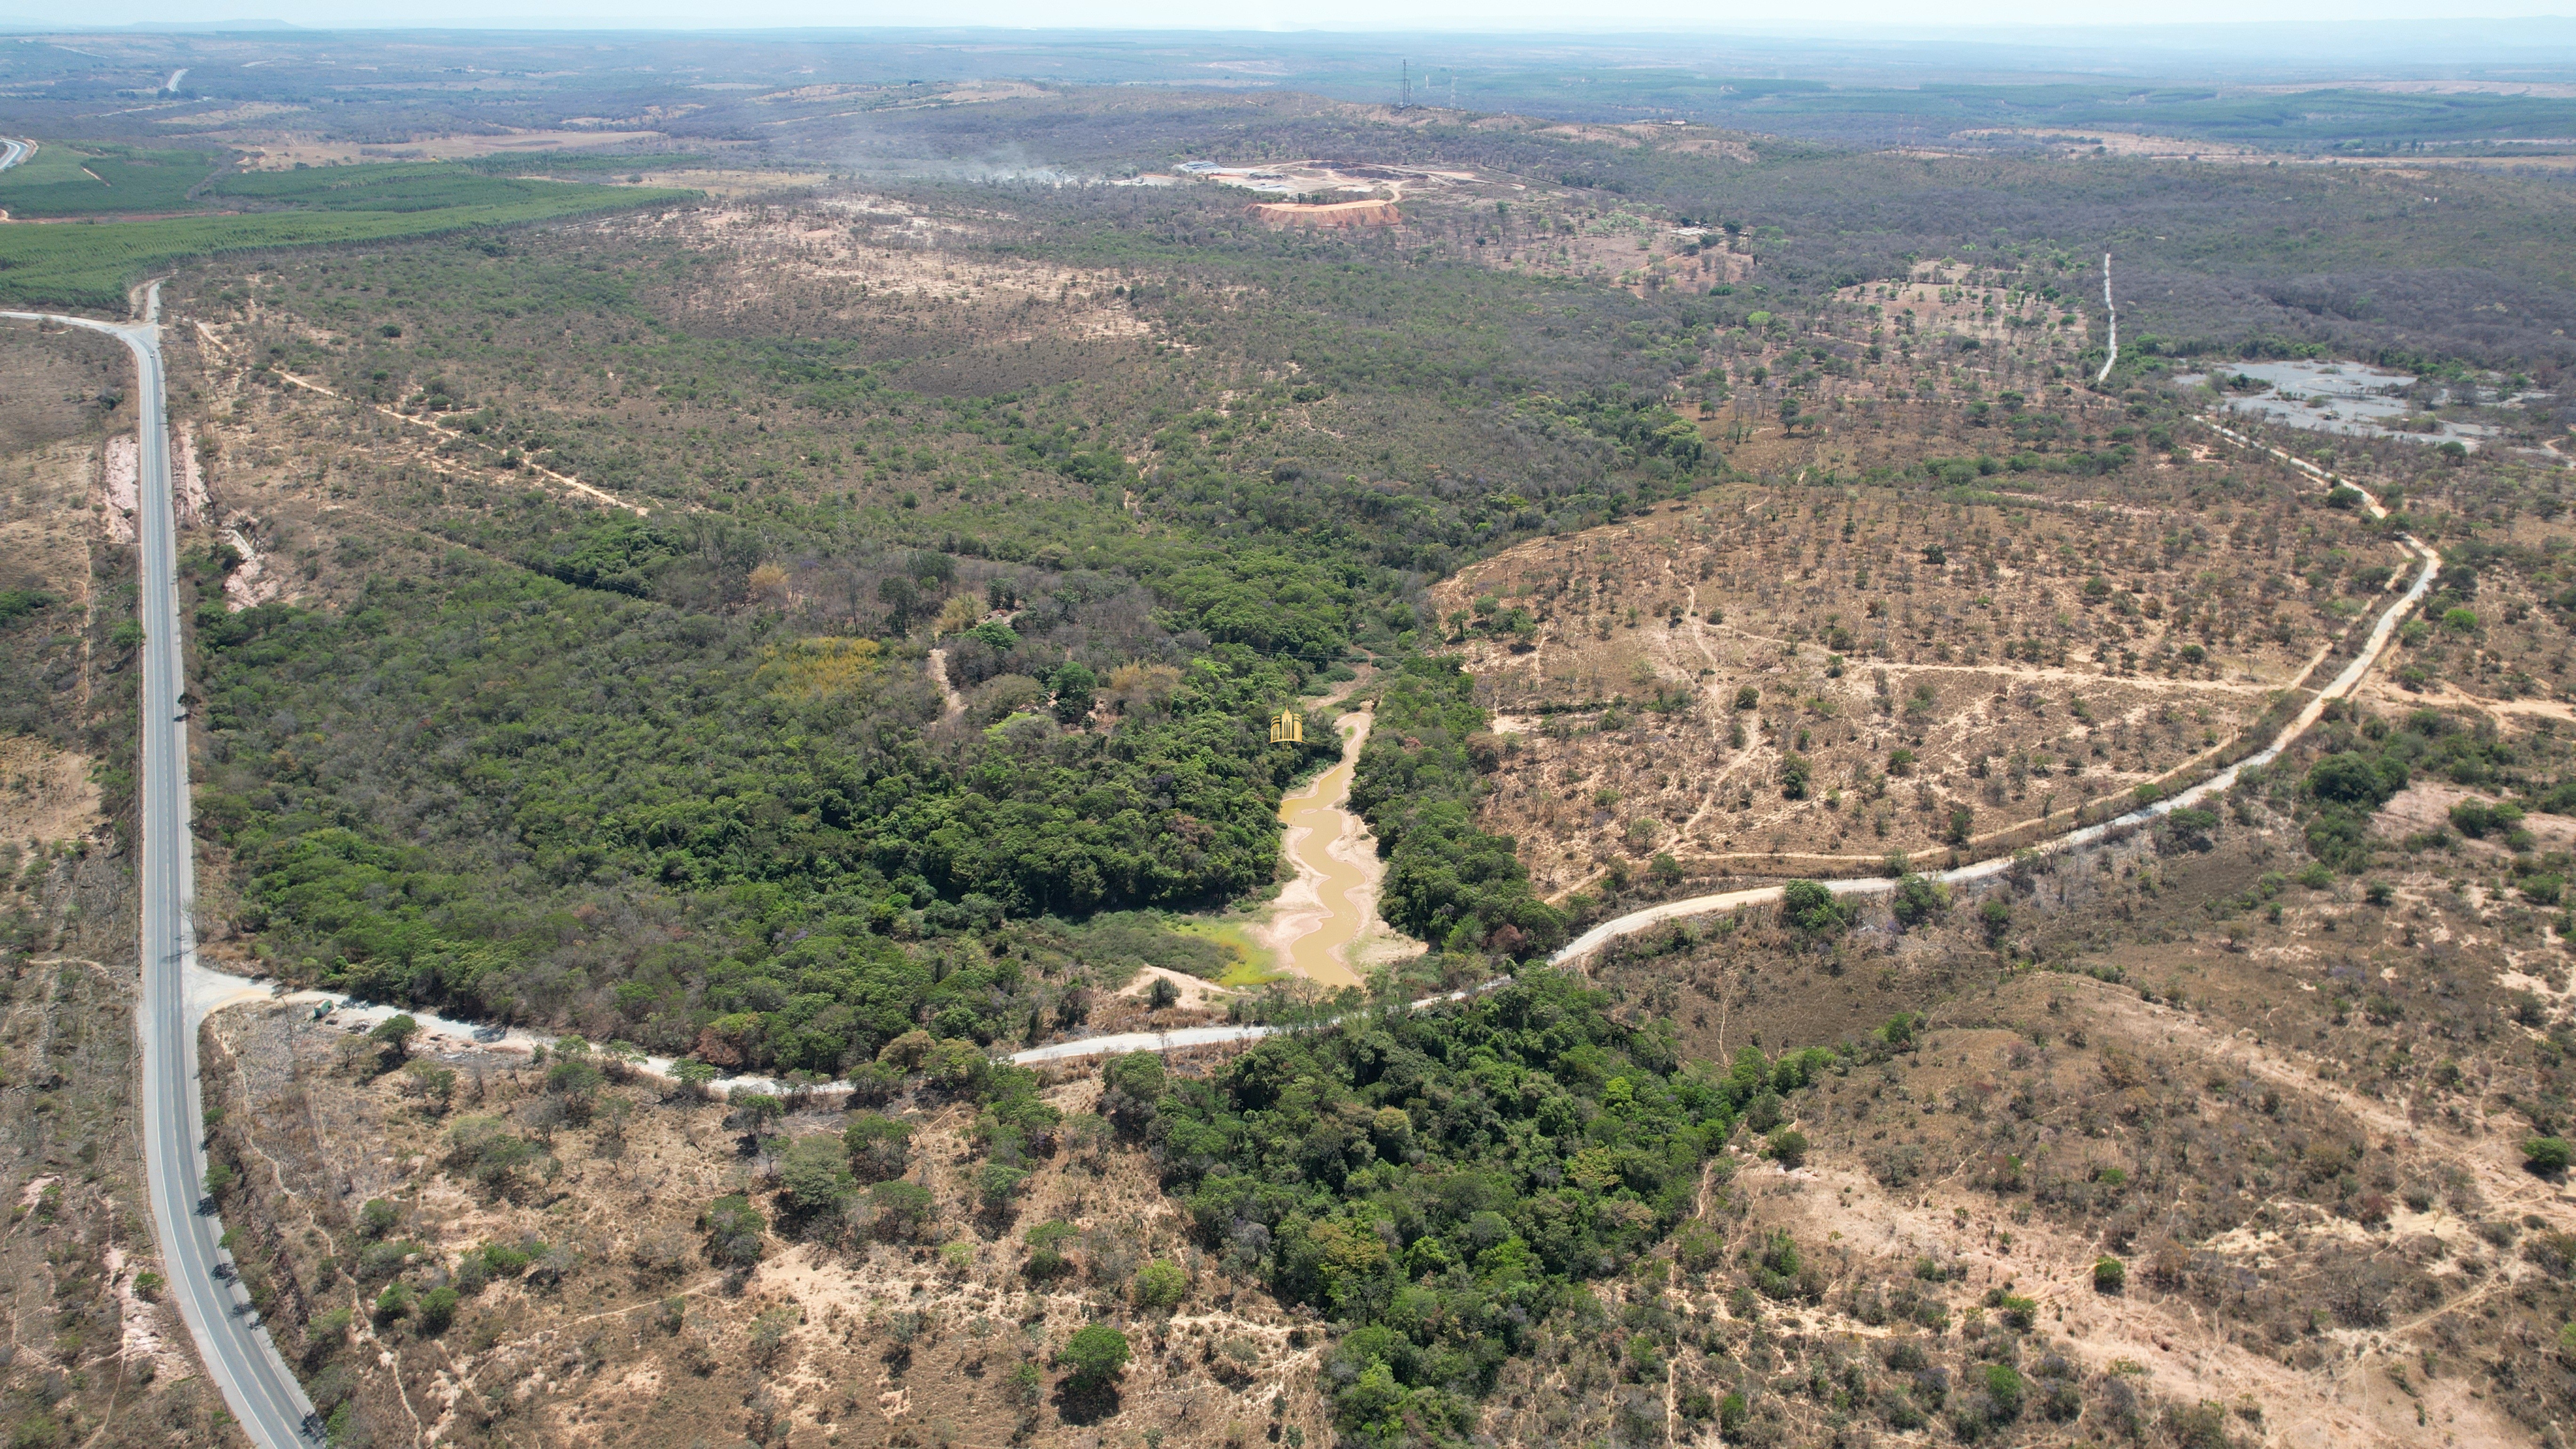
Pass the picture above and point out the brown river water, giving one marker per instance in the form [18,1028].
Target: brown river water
[1323,912]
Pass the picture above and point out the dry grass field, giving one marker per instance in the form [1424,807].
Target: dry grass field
[609,1315]
[2290,1114]
[1767,678]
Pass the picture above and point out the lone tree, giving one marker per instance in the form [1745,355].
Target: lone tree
[879,1147]
[814,1174]
[734,1230]
[392,1037]
[1095,1355]
[694,1076]
[1962,825]
[1130,1086]
[760,1112]
[2546,1156]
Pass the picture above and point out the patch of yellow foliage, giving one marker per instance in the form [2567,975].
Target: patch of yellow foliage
[1142,684]
[823,667]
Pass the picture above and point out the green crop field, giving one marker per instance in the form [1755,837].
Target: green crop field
[386,187]
[92,264]
[65,179]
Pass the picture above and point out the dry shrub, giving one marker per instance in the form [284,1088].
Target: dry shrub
[1135,687]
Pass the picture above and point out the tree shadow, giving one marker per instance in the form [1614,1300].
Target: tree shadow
[1077,1402]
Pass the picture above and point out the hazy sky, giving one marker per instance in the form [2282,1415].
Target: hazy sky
[1484,15]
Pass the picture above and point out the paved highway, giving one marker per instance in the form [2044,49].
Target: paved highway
[236,1350]
[17,151]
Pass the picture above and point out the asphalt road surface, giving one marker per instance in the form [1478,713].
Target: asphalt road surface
[236,1349]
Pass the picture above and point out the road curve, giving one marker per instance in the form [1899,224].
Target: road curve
[15,151]
[1652,916]
[262,1394]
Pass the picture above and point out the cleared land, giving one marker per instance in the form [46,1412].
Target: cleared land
[1758,673]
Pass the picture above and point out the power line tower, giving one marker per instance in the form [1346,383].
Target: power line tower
[1406,104]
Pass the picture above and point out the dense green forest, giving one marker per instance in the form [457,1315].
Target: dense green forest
[422,786]
[1448,881]
[1443,1183]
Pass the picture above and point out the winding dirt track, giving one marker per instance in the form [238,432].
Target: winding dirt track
[2341,685]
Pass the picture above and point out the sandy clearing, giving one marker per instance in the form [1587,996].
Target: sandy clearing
[45,794]
[1326,214]
[937,668]
[119,487]
[2442,694]
[194,506]
[248,586]
[2426,805]
[140,1339]
[1197,994]
[884,246]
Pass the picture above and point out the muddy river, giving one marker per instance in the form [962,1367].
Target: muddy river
[1326,909]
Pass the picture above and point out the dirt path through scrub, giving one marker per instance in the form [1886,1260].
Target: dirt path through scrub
[566,480]
[2430,565]
[955,703]
[2361,1399]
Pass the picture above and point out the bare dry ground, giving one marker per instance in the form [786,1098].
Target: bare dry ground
[1665,681]
[325,480]
[2292,1119]
[615,1322]
[46,795]
[858,250]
